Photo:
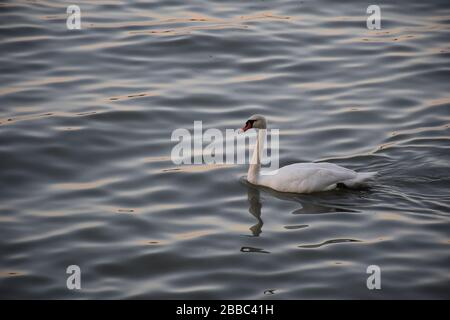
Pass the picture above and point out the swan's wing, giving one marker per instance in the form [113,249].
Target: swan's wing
[308,177]
[333,167]
[324,178]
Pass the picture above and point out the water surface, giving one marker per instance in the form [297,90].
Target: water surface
[85,172]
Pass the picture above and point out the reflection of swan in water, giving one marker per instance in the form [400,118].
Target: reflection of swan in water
[306,206]
[255,209]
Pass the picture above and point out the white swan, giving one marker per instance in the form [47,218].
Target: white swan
[298,177]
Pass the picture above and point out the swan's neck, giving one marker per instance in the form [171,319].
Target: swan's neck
[255,163]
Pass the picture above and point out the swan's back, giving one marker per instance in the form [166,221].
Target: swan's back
[312,177]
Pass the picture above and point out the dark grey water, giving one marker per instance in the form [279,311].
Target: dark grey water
[86,177]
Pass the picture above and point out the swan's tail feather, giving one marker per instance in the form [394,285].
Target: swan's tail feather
[361,179]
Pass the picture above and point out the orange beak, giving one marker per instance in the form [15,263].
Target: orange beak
[247,126]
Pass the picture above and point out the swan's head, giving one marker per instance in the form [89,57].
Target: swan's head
[255,121]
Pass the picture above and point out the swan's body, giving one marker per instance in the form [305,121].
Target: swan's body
[299,177]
